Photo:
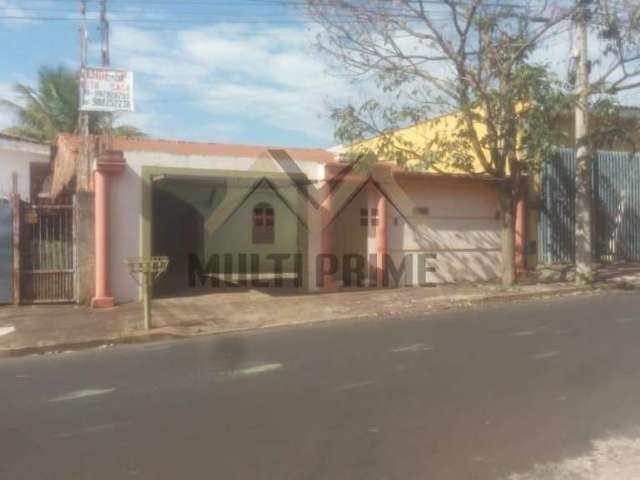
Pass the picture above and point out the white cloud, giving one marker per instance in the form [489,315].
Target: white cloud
[135,40]
[271,77]
[11,9]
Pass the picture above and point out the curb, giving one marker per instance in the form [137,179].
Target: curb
[165,335]
[86,344]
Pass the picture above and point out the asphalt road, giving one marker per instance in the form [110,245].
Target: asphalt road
[464,395]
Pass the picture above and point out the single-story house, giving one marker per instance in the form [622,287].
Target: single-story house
[300,218]
[27,161]
[24,166]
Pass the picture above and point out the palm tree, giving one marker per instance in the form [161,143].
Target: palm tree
[52,108]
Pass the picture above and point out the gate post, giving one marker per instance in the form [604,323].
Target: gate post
[17,223]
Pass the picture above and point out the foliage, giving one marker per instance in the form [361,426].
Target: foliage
[429,58]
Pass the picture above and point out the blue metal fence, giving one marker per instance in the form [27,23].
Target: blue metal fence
[616,209]
[6,251]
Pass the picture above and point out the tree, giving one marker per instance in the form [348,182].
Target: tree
[52,108]
[471,57]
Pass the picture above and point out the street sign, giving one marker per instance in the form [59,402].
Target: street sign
[106,90]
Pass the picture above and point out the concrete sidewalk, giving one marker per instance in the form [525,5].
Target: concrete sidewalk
[43,328]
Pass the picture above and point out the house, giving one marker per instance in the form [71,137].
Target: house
[231,214]
[167,197]
[544,230]
[27,161]
[24,166]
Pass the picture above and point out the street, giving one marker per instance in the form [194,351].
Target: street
[492,393]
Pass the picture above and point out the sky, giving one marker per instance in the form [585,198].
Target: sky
[228,71]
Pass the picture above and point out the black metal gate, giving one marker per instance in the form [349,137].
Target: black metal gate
[616,208]
[47,254]
[6,251]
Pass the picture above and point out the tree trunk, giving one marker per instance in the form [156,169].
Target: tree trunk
[507,212]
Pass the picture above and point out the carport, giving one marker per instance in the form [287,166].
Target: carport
[235,231]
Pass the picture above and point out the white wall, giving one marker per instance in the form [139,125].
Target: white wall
[461,230]
[126,204]
[14,158]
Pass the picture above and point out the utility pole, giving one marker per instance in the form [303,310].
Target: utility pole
[104,30]
[106,61]
[583,203]
[83,168]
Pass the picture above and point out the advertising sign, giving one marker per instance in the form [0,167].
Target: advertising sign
[106,90]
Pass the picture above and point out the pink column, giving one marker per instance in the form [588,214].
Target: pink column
[110,163]
[381,237]
[328,234]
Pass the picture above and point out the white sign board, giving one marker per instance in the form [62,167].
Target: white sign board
[106,90]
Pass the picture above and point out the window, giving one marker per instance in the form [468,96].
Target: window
[263,223]
[367,219]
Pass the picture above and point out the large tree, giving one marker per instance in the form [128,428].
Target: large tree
[472,58]
[52,108]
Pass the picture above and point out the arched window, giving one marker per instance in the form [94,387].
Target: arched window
[263,223]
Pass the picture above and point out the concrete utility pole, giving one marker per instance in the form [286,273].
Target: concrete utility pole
[104,30]
[84,168]
[584,233]
[106,61]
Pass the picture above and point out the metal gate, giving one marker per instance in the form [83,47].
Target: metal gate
[47,254]
[6,251]
[616,208]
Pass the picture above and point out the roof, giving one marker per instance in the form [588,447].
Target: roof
[69,146]
[18,138]
[16,143]
[178,147]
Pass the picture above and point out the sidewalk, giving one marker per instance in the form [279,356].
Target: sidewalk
[42,328]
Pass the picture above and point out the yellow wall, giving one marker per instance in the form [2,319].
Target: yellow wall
[418,141]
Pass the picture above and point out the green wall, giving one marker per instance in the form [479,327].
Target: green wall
[233,237]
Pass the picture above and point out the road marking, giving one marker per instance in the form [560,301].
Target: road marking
[523,333]
[96,429]
[624,320]
[7,330]
[543,355]
[82,394]
[352,386]
[255,370]
[417,347]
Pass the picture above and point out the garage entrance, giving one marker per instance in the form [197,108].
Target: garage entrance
[223,233]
